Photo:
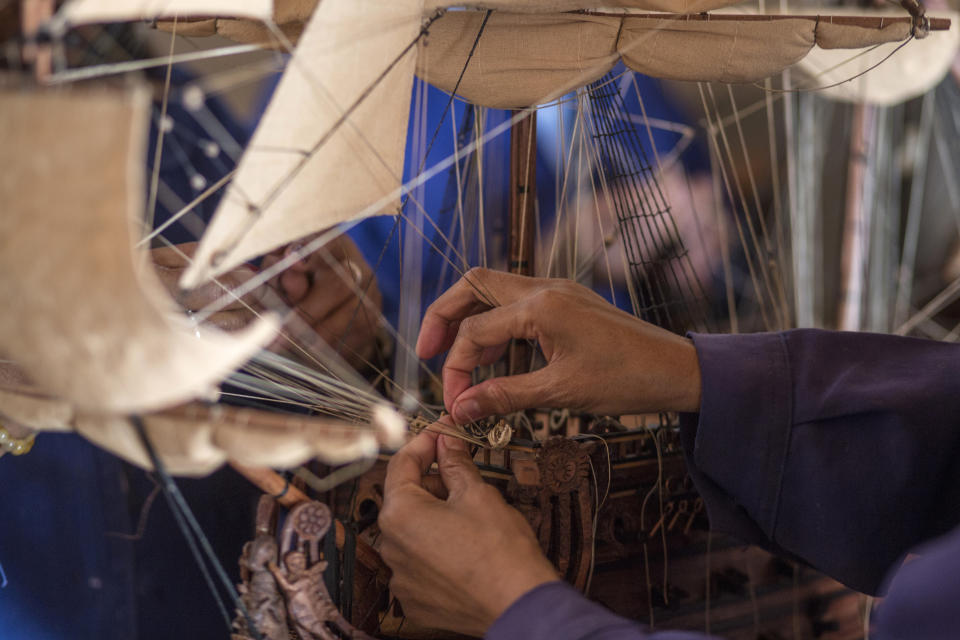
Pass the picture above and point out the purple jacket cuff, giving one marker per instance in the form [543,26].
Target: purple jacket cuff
[556,610]
[738,442]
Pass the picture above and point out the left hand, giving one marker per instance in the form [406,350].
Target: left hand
[457,563]
[324,289]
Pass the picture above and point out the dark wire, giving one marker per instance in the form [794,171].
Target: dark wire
[187,521]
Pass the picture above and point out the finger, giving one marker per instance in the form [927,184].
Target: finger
[231,320]
[477,290]
[408,465]
[174,256]
[218,291]
[457,469]
[327,296]
[479,334]
[434,484]
[303,260]
[492,354]
[294,285]
[500,396]
[348,333]
[352,332]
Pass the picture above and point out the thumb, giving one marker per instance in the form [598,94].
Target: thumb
[457,469]
[500,396]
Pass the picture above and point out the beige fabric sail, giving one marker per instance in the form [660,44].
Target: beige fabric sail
[94,11]
[520,59]
[195,440]
[525,59]
[836,36]
[718,51]
[86,318]
[303,170]
[37,412]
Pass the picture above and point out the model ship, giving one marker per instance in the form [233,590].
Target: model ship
[336,132]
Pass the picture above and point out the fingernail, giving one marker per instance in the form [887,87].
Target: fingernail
[467,411]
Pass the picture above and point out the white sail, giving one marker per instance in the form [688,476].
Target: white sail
[331,144]
[87,318]
[886,79]
[98,11]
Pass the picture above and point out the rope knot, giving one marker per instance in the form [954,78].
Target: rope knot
[920,28]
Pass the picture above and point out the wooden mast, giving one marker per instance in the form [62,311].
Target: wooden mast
[856,224]
[33,14]
[523,200]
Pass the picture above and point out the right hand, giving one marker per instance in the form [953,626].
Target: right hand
[599,358]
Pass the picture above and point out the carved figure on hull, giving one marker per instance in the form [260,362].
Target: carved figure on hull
[259,591]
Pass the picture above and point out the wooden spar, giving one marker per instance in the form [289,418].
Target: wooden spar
[271,483]
[33,14]
[523,201]
[850,316]
[867,22]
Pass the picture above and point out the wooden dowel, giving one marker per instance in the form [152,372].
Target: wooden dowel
[869,22]
[272,483]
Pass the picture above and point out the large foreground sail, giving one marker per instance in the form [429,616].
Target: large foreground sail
[88,319]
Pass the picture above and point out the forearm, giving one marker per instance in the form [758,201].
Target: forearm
[835,448]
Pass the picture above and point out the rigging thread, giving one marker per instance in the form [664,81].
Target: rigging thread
[837,84]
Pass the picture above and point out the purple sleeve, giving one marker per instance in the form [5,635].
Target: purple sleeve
[839,449]
[557,611]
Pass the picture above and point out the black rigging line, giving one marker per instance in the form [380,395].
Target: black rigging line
[194,535]
[628,222]
[634,214]
[651,236]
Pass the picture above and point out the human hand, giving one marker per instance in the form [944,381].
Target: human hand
[458,563]
[325,290]
[599,358]
[170,263]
